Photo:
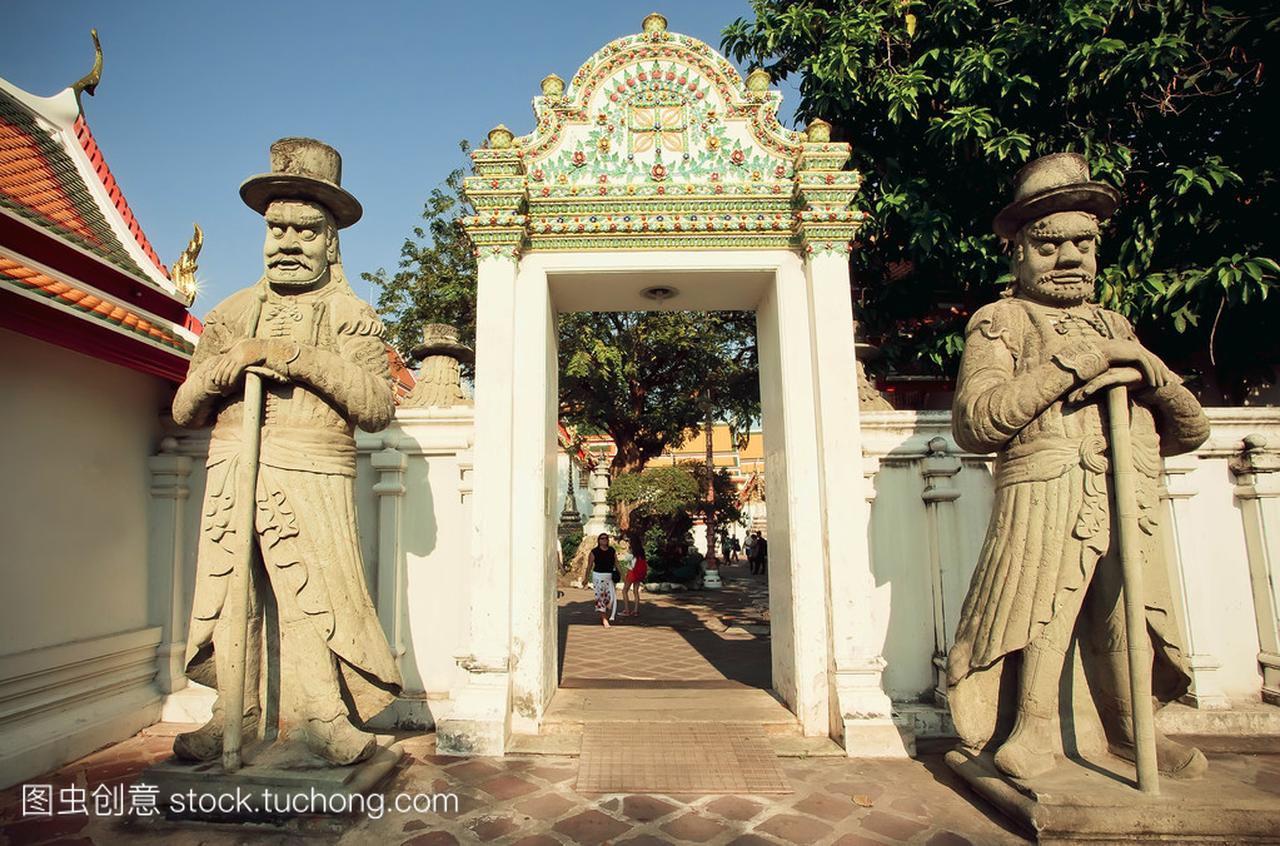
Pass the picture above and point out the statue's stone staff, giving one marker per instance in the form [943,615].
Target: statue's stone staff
[239,579]
[1063,545]
[1135,612]
[279,511]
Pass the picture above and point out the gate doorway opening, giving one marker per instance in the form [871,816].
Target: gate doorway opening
[697,649]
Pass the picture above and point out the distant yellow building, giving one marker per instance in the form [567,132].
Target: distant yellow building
[742,464]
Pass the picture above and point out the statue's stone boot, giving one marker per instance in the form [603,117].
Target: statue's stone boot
[1029,751]
[1173,759]
[205,743]
[339,742]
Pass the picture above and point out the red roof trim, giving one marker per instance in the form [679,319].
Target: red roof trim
[44,246]
[91,305]
[92,339]
[91,149]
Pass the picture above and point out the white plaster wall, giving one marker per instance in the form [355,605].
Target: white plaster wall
[77,634]
[434,541]
[73,510]
[781,616]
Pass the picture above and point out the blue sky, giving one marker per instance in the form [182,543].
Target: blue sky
[193,94]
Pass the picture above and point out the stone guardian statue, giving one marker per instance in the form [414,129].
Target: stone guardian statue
[327,373]
[1033,379]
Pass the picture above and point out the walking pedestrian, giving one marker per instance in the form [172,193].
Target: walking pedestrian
[635,576]
[604,566]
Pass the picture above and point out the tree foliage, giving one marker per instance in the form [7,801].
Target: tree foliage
[642,499]
[943,101]
[648,378]
[668,497]
[435,281]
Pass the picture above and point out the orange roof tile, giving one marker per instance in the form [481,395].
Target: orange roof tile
[40,181]
[91,305]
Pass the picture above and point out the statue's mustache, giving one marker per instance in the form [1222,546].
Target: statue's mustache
[294,258]
[1066,277]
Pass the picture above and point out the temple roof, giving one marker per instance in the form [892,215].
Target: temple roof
[76,267]
[53,173]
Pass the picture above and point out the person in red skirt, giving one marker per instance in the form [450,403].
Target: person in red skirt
[635,576]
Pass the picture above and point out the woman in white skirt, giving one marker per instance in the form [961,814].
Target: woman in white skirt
[604,565]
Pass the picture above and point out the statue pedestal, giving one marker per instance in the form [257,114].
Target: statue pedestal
[1093,800]
[274,784]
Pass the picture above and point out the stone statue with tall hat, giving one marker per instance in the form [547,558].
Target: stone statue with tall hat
[1041,661]
[318,352]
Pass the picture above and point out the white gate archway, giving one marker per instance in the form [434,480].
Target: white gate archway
[658,165]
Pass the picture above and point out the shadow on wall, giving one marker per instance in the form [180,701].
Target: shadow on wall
[419,538]
[905,560]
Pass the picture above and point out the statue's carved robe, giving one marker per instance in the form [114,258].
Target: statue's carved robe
[1051,521]
[338,378]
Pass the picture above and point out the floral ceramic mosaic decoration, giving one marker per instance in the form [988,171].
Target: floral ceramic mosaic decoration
[658,144]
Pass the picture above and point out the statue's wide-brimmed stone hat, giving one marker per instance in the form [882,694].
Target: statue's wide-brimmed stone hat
[1054,183]
[303,169]
[442,339]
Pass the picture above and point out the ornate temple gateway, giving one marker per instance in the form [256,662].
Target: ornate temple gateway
[658,179]
[658,145]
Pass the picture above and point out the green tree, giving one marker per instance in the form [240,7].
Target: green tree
[436,278]
[943,101]
[648,378]
[724,507]
[646,498]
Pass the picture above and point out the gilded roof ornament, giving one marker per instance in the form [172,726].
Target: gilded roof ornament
[552,86]
[89,82]
[183,273]
[654,22]
[500,138]
[818,131]
[758,81]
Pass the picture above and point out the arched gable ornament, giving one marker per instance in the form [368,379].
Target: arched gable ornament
[658,143]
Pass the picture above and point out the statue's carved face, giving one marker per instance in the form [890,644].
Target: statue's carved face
[301,243]
[1055,258]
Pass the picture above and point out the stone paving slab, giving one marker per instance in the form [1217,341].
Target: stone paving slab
[692,758]
[532,802]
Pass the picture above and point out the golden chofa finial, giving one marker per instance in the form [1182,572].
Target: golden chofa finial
[183,272]
[552,86]
[500,138]
[89,82]
[654,22]
[818,131]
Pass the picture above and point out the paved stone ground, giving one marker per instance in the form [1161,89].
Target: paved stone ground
[718,639]
[698,636]
[531,801]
